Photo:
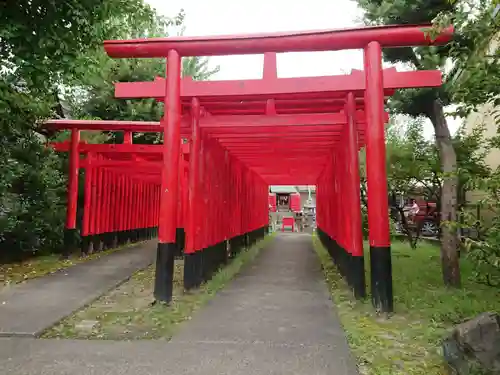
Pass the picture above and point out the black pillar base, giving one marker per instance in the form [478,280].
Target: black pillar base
[198,264]
[352,268]
[97,242]
[180,239]
[227,251]
[122,238]
[164,275]
[70,242]
[86,245]
[357,272]
[114,240]
[206,263]
[134,235]
[190,271]
[381,278]
[108,240]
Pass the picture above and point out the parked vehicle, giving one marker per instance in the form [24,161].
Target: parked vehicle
[426,220]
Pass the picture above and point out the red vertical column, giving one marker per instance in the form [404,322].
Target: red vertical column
[134,211]
[70,227]
[93,204]
[147,213]
[170,181]
[98,213]
[120,209]
[355,240]
[126,208]
[87,201]
[127,137]
[192,255]
[157,208]
[201,228]
[378,208]
[105,213]
[113,208]
[179,228]
[341,213]
[140,208]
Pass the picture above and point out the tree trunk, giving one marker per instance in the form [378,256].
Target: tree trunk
[449,236]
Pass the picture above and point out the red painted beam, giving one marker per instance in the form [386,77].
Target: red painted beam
[317,119]
[115,148]
[224,131]
[318,40]
[109,125]
[210,122]
[291,147]
[237,90]
[127,164]
[291,142]
[249,137]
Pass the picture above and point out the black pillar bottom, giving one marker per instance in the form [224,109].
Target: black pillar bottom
[206,263]
[70,242]
[352,268]
[191,270]
[227,255]
[109,240]
[180,239]
[357,271]
[201,265]
[121,238]
[86,245]
[381,278]
[164,274]
[134,235]
[114,240]
[97,242]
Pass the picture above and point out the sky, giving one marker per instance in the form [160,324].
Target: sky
[222,17]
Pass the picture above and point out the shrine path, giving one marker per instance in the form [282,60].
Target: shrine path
[29,308]
[275,318]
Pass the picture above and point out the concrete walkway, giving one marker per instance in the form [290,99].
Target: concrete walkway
[274,319]
[29,308]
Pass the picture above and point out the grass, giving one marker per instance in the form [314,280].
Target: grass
[126,313]
[408,342]
[14,273]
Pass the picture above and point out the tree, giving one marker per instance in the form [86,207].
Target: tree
[94,97]
[475,77]
[412,170]
[44,48]
[429,103]
[413,167]
[32,186]
[40,39]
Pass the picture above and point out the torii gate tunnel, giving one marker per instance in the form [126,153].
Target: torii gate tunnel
[242,137]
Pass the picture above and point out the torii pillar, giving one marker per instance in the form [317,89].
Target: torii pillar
[376,175]
[169,193]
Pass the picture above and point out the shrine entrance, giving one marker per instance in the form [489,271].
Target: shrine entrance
[243,137]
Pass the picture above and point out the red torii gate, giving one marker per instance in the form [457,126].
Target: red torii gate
[261,100]
[121,190]
[245,135]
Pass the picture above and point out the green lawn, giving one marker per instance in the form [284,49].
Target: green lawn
[425,310]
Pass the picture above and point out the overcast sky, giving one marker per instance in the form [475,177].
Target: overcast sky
[219,17]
